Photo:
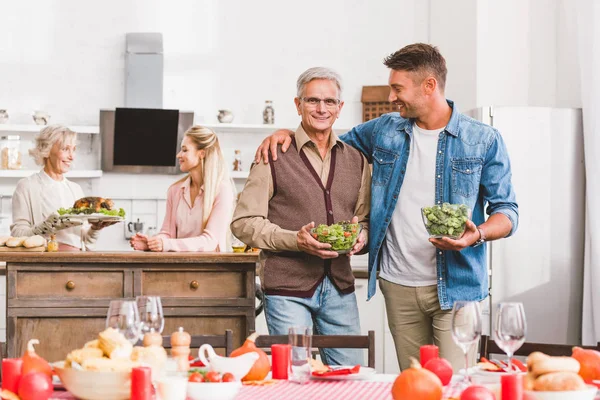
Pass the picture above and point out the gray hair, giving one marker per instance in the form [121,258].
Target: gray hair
[47,138]
[318,73]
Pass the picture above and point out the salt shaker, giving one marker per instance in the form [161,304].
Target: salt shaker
[180,348]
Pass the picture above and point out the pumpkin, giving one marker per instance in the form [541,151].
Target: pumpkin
[417,383]
[34,363]
[261,367]
[441,367]
[589,361]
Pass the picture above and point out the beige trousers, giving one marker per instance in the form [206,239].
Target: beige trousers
[415,319]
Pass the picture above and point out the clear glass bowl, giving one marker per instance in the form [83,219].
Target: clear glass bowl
[345,245]
[446,220]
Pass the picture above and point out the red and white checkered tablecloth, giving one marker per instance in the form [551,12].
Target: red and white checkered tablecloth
[326,390]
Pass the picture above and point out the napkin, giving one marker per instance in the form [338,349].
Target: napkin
[338,371]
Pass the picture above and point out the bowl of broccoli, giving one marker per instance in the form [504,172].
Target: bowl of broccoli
[341,236]
[446,220]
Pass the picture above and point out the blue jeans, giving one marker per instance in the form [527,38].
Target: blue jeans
[327,312]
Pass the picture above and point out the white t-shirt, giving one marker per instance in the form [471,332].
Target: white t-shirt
[407,256]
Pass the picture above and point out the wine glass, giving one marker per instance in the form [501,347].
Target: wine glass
[511,328]
[123,316]
[151,314]
[466,328]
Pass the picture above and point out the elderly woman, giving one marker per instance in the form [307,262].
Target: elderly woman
[38,197]
[199,206]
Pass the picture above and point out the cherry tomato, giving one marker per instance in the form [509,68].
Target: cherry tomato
[213,376]
[315,235]
[227,377]
[347,234]
[196,377]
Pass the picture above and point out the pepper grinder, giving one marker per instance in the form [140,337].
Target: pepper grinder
[180,348]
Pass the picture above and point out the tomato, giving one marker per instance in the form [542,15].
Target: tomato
[477,393]
[315,235]
[35,386]
[347,234]
[227,377]
[213,376]
[196,377]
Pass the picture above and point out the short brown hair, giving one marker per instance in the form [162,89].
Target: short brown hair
[421,58]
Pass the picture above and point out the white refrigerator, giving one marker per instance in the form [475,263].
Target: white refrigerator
[542,264]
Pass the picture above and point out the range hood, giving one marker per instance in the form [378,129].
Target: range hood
[144,65]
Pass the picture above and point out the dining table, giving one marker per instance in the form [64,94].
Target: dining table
[375,387]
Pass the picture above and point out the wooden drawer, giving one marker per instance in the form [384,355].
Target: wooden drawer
[82,285]
[196,284]
[57,336]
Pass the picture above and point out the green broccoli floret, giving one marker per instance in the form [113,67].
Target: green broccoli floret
[446,220]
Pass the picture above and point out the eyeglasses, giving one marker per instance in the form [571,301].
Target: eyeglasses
[314,101]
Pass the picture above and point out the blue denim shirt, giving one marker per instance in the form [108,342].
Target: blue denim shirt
[472,167]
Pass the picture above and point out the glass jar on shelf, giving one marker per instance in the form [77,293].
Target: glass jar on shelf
[269,113]
[10,153]
[52,243]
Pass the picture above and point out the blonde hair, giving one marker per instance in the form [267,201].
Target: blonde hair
[214,170]
[47,138]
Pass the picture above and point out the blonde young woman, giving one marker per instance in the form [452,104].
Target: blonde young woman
[38,197]
[199,206]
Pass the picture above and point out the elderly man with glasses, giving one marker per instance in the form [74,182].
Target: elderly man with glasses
[323,181]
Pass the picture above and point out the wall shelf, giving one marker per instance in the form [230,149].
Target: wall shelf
[25,128]
[264,129]
[23,173]
[239,174]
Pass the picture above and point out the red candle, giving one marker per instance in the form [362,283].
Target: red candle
[512,387]
[11,374]
[280,360]
[428,352]
[141,383]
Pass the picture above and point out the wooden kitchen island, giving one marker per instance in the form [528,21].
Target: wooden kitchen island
[62,298]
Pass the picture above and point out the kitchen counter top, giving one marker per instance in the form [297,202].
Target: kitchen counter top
[129,257]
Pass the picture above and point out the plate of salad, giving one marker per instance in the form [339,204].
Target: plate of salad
[341,236]
[446,220]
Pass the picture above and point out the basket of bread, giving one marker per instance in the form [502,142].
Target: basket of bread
[556,378]
[22,243]
[101,370]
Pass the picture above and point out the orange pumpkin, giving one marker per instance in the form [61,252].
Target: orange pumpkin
[589,361]
[417,383]
[34,363]
[261,367]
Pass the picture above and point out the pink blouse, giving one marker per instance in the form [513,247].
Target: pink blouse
[182,227]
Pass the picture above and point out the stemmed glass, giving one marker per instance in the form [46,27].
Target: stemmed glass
[123,316]
[511,328]
[151,314]
[466,329]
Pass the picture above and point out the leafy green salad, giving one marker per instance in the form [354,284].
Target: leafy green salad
[341,236]
[88,210]
[446,220]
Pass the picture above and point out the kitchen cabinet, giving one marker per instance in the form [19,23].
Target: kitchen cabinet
[62,298]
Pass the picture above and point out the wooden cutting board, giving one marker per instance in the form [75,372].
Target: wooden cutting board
[21,248]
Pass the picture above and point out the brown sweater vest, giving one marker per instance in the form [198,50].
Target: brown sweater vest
[299,197]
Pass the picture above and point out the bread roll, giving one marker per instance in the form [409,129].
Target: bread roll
[34,241]
[559,382]
[80,355]
[15,241]
[553,364]
[3,240]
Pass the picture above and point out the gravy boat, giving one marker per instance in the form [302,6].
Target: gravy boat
[238,366]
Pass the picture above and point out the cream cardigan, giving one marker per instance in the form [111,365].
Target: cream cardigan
[27,210]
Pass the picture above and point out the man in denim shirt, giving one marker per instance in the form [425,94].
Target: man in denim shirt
[428,153]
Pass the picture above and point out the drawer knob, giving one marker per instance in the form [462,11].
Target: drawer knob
[194,285]
[70,285]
